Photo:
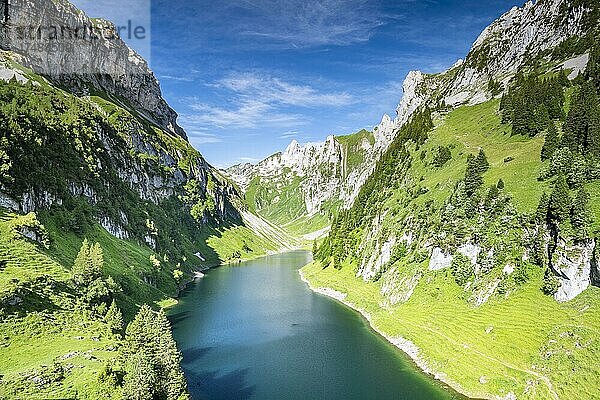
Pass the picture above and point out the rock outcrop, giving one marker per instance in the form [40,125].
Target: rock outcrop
[144,149]
[509,42]
[439,259]
[499,52]
[574,263]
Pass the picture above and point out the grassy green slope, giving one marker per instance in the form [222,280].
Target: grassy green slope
[49,348]
[465,131]
[281,202]
[525,343]
[50,345]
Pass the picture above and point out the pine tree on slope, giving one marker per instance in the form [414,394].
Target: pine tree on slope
[551,142]
[560,200]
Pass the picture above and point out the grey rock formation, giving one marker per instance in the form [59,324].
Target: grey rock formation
[505,45]
[439,259]
[54,40]
[574,263]
[498,53]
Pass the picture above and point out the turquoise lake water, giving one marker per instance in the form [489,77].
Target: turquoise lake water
[256,331]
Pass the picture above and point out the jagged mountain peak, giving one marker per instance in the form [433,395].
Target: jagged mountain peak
[510,42]
[502,48]
[292,148]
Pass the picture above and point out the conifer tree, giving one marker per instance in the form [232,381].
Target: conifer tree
[506,108]
[114,318]
[88,264]
[581,133]
[96,260]
[593,139]
[150,333]
[560,200]
[442,157]
[553,99]
[140,377]
[482,163]
[462,269]
[563,79]
[541,119]
[80,265]
[541,212]
[522,116]
[580,215]
[172,381]
[551,142]
[473,179]
[491,196]
[592,71]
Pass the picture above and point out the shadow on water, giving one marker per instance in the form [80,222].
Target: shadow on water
[216,386]
[192,355]
[178,317]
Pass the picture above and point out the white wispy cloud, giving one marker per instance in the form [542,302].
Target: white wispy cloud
[274,90]
[201,137]
[259,100]
[289,135]
[176,78]
[248,114]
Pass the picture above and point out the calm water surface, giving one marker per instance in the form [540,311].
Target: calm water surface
[255,331]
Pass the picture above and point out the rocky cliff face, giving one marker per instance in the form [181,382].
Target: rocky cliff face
[58,41]
[137,145]
[505,46]
[154,167]
[574,263]
[510,42]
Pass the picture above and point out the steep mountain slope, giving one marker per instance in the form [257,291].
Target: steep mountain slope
[304,186]
[89,149]
[472,246]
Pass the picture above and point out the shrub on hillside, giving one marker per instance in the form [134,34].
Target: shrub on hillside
[462,269]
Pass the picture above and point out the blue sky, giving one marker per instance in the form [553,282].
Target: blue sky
[248,76]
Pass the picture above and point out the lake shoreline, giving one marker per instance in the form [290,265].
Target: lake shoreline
[405,345]
[205,268]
